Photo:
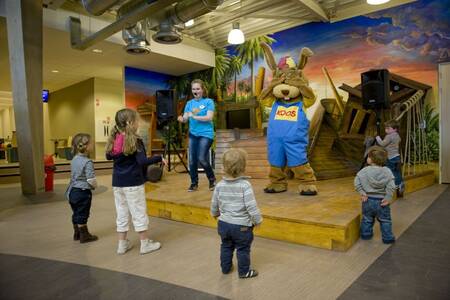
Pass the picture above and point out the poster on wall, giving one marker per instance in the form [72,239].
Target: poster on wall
[103,129]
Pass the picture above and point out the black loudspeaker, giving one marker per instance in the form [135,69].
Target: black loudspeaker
[166,105]
[375,89]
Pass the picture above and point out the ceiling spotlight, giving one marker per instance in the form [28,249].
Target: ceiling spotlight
[236,36]
[377,2]
[55,71]
[97,50]
[189,23]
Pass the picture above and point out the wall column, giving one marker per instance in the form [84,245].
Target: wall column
[24,25]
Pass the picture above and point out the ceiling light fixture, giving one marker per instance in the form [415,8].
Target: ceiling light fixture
[189,23]
[97,50]
[377,2]
[55,71]
[236,36]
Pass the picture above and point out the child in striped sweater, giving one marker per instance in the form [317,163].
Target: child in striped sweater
[234,204]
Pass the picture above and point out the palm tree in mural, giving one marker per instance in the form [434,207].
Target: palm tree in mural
[222,60]
[241,87]
[250,51]
[181,84]
[235,68]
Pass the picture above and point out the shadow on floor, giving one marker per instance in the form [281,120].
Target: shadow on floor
[23,277]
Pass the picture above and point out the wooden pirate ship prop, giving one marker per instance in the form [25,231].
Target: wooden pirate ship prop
[338,131]
[353,124]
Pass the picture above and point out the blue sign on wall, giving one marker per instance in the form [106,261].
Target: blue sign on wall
[45,94]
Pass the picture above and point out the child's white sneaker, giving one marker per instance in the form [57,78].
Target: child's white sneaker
[124,246]
[148,246]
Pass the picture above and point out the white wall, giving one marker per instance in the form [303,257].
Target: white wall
[444,120]
[7,124]
[71,111]
[109,97]
[49,147]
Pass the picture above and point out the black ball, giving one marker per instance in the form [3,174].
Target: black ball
[154,173]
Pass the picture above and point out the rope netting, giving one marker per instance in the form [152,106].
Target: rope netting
[415,152]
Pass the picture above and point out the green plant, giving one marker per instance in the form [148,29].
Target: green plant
[222,60]
[431,128]
[431,118]
[170,133]
[182,84]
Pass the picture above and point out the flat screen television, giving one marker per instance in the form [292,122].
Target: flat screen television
[45,94]
[238,119]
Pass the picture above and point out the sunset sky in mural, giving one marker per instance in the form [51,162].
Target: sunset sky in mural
[141,85]
[408,40]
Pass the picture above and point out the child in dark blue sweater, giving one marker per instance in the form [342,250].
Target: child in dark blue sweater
[130,160]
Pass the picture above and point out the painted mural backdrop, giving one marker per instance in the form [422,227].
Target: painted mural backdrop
[141,87]
[409,40]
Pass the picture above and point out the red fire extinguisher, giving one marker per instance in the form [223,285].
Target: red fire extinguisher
[49,165]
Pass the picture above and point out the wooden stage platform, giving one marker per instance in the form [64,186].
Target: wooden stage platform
[329,220]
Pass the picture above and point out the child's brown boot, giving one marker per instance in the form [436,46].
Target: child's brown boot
[85,236]
[76,232]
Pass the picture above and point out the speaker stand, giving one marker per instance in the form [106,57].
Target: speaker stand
[170,145]
[374,142]
[378,120]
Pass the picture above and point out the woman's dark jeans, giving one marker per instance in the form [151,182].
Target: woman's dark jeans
[235,237]
[198,153]
[80,201]
[372,209]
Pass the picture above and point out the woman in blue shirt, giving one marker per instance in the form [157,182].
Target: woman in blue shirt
[200,113]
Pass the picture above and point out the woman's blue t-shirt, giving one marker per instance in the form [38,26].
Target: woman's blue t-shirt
[200,108]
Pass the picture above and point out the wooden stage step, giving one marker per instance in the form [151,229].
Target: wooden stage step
[328,163]
[329,220]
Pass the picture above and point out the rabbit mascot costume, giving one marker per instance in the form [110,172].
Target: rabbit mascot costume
[287,133]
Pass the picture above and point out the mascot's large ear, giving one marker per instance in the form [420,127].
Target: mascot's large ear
[304,55]
[268,54]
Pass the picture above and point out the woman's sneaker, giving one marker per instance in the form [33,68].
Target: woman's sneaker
[193,187]
[148,246]
[124,246]
[212,185]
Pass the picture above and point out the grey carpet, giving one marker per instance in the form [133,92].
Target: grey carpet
[417,266]
[24,277]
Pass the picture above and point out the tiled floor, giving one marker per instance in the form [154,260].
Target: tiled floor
[417,266]
[189,257]
[36,278]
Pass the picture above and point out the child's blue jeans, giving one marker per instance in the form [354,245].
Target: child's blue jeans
[235,237]
[394,165]
[372,209]
[80,201]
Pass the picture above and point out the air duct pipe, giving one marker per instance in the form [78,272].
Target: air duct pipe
[174,18]
[135,35]
[98,7]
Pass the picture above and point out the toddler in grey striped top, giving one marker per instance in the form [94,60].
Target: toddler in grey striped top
[234,203]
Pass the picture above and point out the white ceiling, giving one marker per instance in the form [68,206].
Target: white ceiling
[75,66]
[255,16]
